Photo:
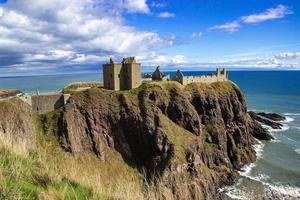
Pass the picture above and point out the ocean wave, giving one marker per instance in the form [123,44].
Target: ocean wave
[290,139]
[269,128]
[245,171]
[235,193]
[275,140]
[288,119]
[278,190]
[297,151]
[283,191]
[291,114]
[259,148]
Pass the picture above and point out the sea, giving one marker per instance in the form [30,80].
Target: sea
[276,173]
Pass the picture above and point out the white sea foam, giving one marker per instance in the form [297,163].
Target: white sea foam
[269,128]
[297,151]
[246,170]
[235,193]
[285,191]
[283,128]
[259,149]
[279,190]
[291,114]
[288,119]
[275,140]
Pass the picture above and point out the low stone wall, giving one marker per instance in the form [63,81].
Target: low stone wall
[45,103]
[202,79]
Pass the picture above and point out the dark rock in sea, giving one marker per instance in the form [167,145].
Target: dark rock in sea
[259,132]
[272,116]
[265,121]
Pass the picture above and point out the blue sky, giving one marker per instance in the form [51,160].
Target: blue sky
[58,36]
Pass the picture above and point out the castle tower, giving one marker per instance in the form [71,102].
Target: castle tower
[218,72]
[130,74]
[225,73]
[111,75]
[123,76]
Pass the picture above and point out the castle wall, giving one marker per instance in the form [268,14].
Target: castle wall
[136,79]
[202,79]
[46,103]
[130,76]
[111,76]
[26,99]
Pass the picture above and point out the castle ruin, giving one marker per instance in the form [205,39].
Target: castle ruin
[157,75]
[218,76]
[122,76]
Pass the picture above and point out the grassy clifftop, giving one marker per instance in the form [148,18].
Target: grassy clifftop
[155,141]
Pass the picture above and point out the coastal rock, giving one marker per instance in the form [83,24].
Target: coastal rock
[266,121]
[272,116]
[191,140]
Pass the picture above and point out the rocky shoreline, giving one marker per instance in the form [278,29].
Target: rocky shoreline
[269,119]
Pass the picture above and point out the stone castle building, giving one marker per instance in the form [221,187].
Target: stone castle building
[218,76]
[157,75]
[122,76]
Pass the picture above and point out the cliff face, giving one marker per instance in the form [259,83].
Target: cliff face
[191,140]
[17,123]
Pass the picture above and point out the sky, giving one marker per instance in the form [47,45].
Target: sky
[78,36]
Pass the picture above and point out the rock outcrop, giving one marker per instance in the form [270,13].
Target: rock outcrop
[191,140]
[272,116]
[267,119]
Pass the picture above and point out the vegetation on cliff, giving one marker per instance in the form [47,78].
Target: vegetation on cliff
[161,140]
[74,87]
[4,93]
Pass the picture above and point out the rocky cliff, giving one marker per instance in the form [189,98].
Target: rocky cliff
[190,140]
[17,123]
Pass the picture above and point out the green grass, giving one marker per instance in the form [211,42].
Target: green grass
[181,138]
[23,177]
[73,87]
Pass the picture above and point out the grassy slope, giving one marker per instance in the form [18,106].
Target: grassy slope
[72,88]
[50,172]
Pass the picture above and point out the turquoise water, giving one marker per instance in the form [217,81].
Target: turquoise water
[277,170]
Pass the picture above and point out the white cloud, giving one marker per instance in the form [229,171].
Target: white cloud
[158,5]
[166,15]
[154,59]
[229,27]
[272,13]
[283,60]
[39,33]
[137,6]
[288,55]
[197,34]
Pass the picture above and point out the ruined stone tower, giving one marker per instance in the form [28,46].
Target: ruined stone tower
[122,76]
